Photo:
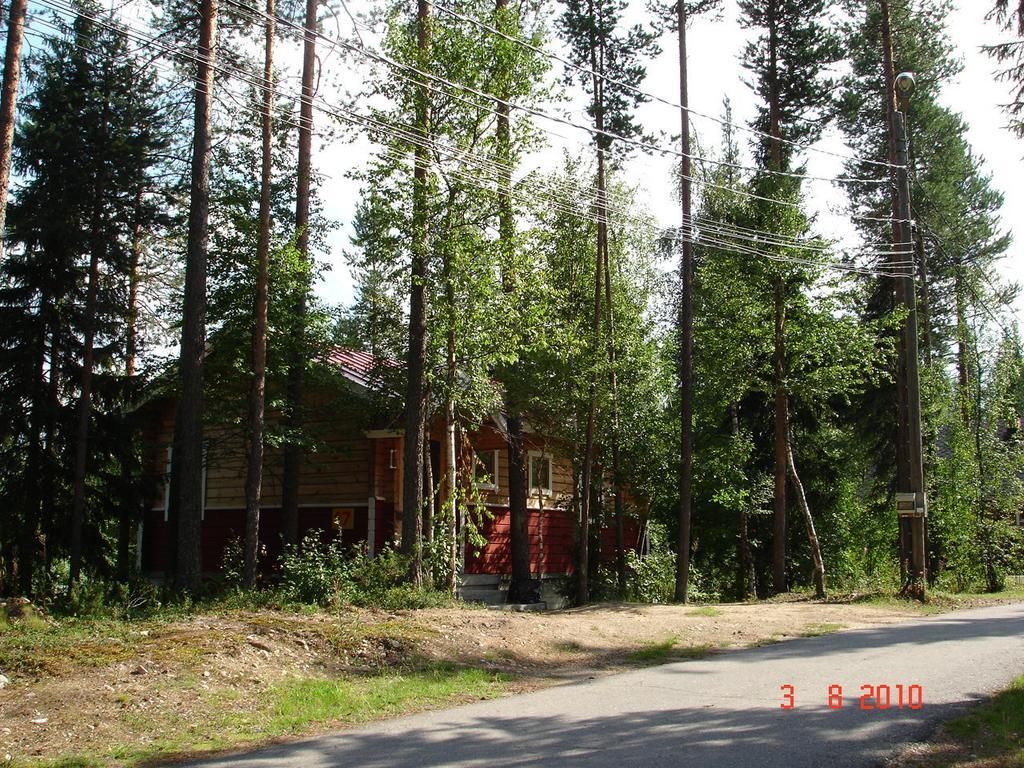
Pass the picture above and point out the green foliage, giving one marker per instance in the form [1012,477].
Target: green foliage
[323,573]
[653,575]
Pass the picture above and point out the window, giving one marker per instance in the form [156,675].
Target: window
[167,484]
[486,470]
[167,481]
[540,473]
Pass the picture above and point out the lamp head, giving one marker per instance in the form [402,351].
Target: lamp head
[905,82]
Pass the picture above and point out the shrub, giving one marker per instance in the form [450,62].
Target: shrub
[314,572]
[325,574]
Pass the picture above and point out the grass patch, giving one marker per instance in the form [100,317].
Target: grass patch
[705,610]
[40,648]
[662,651]
[937,601]
[289,709]
[306,702]
[991,736]
[655,652]
[567,646]
[817,630]
[996,728]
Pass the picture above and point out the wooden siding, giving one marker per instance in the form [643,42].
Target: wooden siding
[336,471]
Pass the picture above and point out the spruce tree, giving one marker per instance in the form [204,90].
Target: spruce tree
[788,61]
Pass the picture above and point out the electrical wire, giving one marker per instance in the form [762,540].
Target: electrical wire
[405,136]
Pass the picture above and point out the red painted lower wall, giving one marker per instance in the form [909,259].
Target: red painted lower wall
[222,525]
[551,532]
[552,542]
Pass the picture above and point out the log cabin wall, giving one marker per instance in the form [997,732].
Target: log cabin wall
[354,475]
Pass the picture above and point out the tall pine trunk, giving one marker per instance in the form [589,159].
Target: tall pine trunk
[9,102]
[187,455]
[416,361]
[257,391]
[290,480]
[685,328]
[519,532]
[779,310]
[601,213]
[129,466]
[613,382]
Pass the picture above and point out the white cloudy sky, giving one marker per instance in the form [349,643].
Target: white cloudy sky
[715,73]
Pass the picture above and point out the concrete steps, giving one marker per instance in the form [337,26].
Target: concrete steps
[481,588]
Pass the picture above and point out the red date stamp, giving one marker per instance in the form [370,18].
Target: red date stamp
[872,697]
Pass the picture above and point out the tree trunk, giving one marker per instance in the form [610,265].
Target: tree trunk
[781,395]
[925,302]
[746,576]
[781,443]
[97,246]
[187,456]
[812,536]
[685,329]
[620,554]
[518,492]
[962,347]
[129,466]
[428,482]
[9,104]
[415,400]
[601,213]
[28,535]
[451,477]
[290,479]
[257,391]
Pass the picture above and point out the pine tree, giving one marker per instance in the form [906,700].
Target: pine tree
[186,502]
[9,101]
[1010,56]
[788,61]
[609,72]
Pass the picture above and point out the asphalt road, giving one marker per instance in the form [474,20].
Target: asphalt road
[721,711]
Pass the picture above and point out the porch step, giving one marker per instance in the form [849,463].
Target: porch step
[483,594]
[480,580]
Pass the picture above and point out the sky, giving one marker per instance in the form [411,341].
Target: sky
[715,73]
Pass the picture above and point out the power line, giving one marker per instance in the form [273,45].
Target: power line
[408,137]
[667,102]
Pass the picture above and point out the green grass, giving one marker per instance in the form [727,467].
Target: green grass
[567,646]
[661,651]
[996,728]
[706,610]
[289,709]
[655,652]
[937,600]
[817,630]
[38,648]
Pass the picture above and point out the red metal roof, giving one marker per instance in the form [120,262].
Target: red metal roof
[357,366]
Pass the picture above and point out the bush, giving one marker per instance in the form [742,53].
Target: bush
[325,574]
[314,572]
[652,577]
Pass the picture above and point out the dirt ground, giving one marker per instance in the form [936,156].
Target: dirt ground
[132,685]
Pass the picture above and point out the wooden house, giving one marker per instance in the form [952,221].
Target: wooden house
[351,485]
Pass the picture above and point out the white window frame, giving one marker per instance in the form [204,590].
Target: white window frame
[478,458]
[167,482]
[538,455]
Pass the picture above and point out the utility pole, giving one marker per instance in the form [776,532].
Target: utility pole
[911,500]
